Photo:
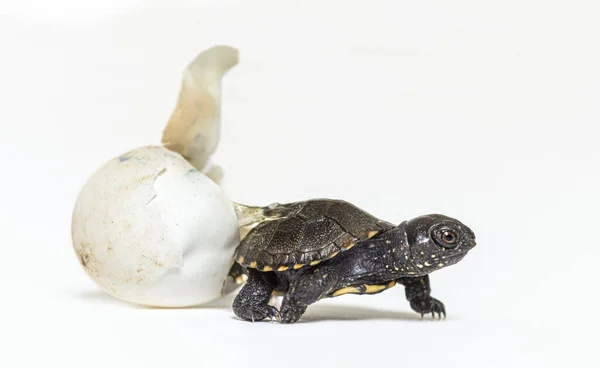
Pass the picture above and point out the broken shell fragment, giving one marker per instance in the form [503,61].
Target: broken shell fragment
[149,228]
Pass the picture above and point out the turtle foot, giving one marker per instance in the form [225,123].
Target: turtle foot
[257,313]
[429,305]
[291,313]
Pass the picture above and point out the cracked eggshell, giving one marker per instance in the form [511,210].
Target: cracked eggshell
[151,229]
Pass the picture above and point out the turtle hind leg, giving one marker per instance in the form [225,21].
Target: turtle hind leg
[305,291]
[252,302]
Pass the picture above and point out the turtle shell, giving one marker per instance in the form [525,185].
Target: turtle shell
[306,233]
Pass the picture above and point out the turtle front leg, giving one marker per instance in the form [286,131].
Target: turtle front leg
[417,293]
[252,302]
[305,291]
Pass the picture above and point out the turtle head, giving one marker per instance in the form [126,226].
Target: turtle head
[437,241]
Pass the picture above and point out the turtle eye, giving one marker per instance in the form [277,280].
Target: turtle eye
[449,237]
[446,237]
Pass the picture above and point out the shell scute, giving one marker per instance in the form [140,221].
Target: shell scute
[286,236]
[307,233]
[329,251]
[318,234]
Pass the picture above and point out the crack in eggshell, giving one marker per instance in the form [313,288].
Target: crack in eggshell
[155,194]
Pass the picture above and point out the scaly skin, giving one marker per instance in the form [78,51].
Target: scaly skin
[252,302]
[417,293]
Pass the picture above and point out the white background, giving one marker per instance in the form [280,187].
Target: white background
[485,111]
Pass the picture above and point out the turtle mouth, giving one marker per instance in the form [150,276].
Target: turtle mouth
[455,257]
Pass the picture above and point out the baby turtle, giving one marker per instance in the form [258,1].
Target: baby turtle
[325,248]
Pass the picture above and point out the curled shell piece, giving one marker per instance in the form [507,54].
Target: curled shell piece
[194,127]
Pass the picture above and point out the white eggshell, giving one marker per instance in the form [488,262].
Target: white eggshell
[151,229]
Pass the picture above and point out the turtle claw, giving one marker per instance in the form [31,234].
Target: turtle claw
[272,312]
[274,316]
[429,305]
[438,307]
[259,314]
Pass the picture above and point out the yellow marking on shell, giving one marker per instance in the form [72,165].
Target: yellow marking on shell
[372,233]
[297,266]
[252,264]
[370,289]
[267,268]
[241,279]
[314,263]
[334,254]
[391,284]
[346,290]
[350,245]
[241,260]
[282,268]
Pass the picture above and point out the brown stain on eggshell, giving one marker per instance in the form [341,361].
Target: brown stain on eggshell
[87,259]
